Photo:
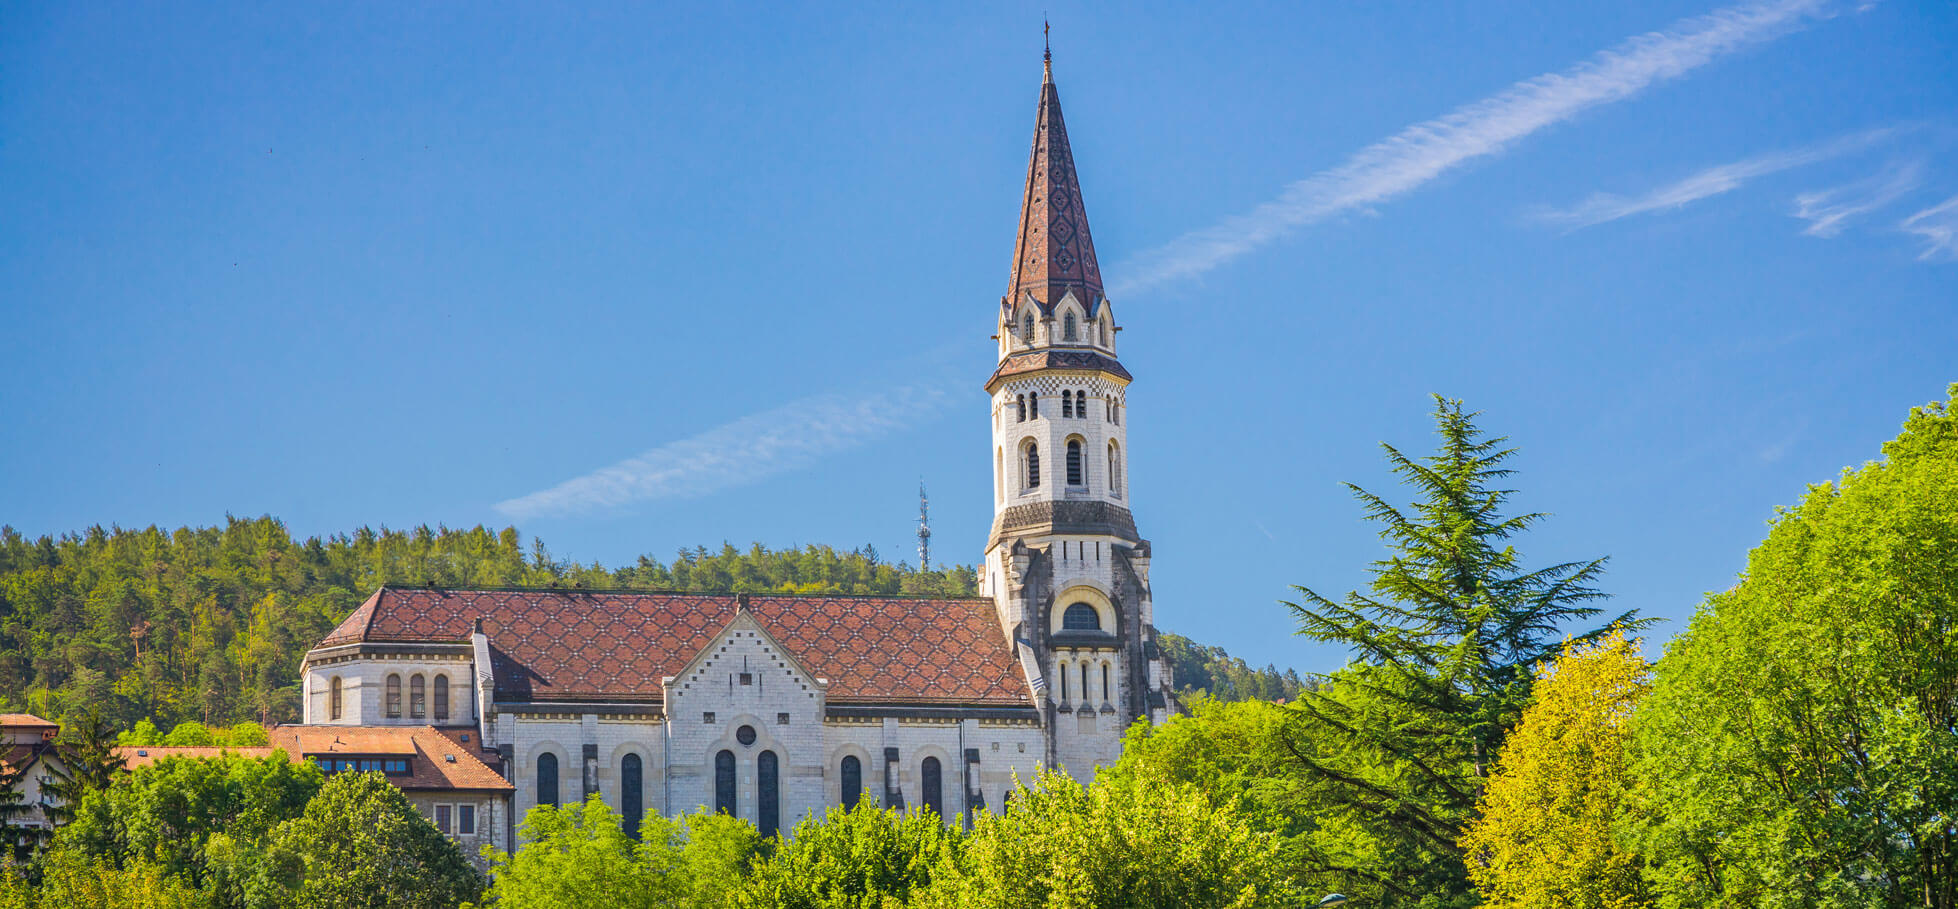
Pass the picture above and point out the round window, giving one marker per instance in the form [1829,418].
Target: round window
[745,735]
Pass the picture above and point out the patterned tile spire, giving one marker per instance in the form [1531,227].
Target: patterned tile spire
[1054,253]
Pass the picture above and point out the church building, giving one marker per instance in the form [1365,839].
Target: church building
[770,707]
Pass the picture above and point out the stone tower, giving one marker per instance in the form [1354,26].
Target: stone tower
[1065,566]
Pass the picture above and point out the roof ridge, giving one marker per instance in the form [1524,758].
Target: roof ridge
[667,591]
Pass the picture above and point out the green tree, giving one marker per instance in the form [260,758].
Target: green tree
[1233,752]
[863,858]
[1800,743]
[201,820]
[577,857]
[73,882]
[1392,750]
[1112,844]
[1545,838]
[360,845]
[719,851]
[89,763]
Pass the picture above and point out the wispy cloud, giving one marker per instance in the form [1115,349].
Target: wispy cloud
[1938,225]
[1713,181]
[738,453]
[1425,150]
[1827,211]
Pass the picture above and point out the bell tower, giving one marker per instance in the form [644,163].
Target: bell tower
[1065,566]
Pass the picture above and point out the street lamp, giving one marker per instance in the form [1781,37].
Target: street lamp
[1332,899]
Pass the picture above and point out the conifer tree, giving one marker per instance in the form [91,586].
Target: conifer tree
[1393,749]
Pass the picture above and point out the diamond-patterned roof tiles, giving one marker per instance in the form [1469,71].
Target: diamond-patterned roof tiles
[604,645]
[1054,252]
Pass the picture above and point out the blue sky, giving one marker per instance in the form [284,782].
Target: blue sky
[637,278]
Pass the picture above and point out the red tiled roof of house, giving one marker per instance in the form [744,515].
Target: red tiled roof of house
[134,756]
[435,760]
[25,719]
[568,645]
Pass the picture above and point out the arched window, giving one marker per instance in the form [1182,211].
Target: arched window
[1081,617]
[1074,471]
[1026,328]
[547,779]
[931,786]
[1114,470]
[1020,402]
[1067,329]
[1062,672]
[1030,455]
[333,698]
[394,696]
[1084,684]
[1115,413]
[441,698]
[1067,404]
[1104,684]
[852,781]
[724,782]
[999,475]
[418,696]
[768,800]
[632,794]
[1033,405]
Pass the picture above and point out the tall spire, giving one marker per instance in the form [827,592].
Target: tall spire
[1054,252]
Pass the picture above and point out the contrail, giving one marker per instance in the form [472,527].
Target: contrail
[1425,150]
[734,454]
[1713,181]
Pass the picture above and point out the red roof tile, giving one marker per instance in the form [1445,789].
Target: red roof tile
[616,645]
[436,762]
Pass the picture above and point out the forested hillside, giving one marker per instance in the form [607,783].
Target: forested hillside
[208,624]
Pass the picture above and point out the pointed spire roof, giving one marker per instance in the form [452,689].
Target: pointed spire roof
[1055,252]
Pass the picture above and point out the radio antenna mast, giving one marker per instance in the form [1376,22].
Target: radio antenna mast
[924,528]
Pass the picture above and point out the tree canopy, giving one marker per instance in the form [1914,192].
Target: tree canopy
[1391,750]
[1800,744]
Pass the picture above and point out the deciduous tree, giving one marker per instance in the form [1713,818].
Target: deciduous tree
[1544,839]
[1800,743]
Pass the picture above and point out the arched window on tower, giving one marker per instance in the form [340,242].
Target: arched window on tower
[1067,328]
[441,698]
[852,781]
[1020,404]
[999,475]
[1026,328]
[1067,404]
[394,696]
[1033,405]
[1081,617]
[333,698]
[1074,471]
[418,696]
[1114,470]
[1029,466]
[547,779]
[1081,404]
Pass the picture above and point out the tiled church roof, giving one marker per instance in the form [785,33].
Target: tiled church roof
[1056,358]
[1054,253]
[573,645]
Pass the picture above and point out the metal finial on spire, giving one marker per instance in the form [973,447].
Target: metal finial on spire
[1047,58]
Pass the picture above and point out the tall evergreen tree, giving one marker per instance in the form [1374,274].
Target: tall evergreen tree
[1391,751]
